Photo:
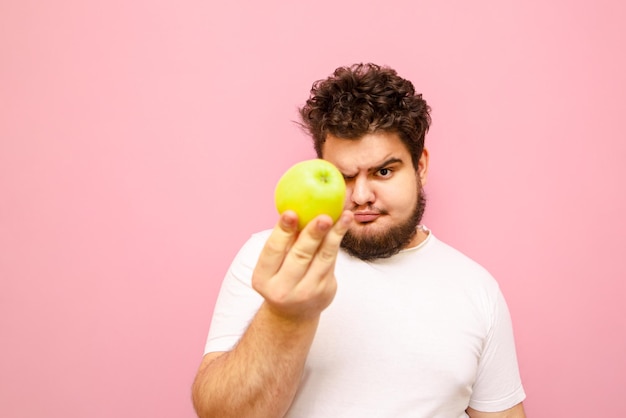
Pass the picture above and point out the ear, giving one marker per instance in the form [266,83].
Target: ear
[422,167]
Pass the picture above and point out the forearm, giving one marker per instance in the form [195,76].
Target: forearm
[260,376]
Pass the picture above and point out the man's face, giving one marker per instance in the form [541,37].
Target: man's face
[384,191]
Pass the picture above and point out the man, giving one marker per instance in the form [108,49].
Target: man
[369,317]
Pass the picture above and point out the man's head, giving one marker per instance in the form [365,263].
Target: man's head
[371,124]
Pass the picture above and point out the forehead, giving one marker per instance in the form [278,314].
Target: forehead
[365,152]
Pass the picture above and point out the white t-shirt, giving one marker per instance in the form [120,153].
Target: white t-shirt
[425,333]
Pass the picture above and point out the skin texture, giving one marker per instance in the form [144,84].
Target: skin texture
[295,276]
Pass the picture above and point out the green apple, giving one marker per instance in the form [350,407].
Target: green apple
[311,188]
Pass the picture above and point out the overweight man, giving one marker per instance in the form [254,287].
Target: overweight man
[369,316]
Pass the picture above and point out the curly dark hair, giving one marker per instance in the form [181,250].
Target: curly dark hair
[362,99]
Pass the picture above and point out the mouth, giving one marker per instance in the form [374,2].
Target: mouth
[366,217]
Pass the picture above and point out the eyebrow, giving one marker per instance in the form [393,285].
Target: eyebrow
[386,163]
[390,161]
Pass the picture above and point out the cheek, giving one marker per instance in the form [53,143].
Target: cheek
[401,198]
[348,202]
[402,202]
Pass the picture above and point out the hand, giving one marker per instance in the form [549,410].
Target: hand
[295,271]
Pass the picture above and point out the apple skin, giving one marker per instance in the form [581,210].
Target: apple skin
[311,188]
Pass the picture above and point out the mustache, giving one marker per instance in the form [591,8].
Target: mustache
[369,209]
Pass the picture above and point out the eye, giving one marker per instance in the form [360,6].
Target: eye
[384,172]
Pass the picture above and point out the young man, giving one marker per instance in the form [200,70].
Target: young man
[369,317]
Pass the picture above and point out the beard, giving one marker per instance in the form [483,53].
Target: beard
[387,243]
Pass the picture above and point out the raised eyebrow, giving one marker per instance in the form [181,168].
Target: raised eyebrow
[390,161]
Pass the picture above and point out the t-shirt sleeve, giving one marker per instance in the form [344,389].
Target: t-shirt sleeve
[237,301]
[498,384]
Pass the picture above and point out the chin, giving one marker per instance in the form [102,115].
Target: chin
[369,228]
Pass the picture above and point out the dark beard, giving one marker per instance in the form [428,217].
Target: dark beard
[391,241]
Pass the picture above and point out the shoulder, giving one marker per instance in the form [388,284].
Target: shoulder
[248,254]
[450,267]
[446,251]
[254,244]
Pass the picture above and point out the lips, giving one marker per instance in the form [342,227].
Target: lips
[365,217]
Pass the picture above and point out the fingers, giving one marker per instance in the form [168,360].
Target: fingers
[324,261]
[327,253]
[315,251]
[282,237]
[295,271]
[305,247]
[288,256]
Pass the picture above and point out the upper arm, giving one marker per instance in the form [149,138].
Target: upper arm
[516,412]
[498,383]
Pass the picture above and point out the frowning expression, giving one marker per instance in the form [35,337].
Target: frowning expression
[383,190]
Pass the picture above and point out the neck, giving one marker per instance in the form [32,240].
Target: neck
[420,236]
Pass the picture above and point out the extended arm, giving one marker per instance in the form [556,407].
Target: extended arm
[295,275]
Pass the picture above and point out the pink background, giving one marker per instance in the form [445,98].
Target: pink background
[140,143]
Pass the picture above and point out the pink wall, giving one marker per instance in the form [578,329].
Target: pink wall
[140,143]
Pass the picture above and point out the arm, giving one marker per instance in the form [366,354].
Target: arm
[295,276]
[516,412]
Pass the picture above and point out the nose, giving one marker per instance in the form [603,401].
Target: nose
[361,192]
